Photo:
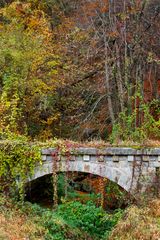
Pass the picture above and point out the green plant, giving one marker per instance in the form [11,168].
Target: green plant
[87,217]
[114,195]
[17,163]
[138,125]
[57,228]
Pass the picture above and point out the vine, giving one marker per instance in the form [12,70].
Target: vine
[18,158]
[61,149]
[68,158]
[17,163]
[55,156]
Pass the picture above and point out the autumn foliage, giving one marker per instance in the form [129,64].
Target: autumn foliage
[80,69]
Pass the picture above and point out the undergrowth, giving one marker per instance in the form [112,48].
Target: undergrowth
[139,223]
[71,221]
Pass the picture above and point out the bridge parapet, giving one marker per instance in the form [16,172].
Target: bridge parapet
[151,155]
[108,151]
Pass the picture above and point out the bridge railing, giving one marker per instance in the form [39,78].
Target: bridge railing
[105,154]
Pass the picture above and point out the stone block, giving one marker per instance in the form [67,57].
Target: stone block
[123,158]
[130,158]
[108,158]
[93,158]
[155,164]
[100,158]
[79,158]
[153,158]
[138,158]
[115,159]
[72,158]
[145,158]
[48,151]
[44,157]
[86,158]
[151,151]
[49,158]
[86,151]
[63,158]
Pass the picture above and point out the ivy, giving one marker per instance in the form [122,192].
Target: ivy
[17,163]
[18,158]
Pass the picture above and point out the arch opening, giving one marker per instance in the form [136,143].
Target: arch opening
[81,186]
[121,176]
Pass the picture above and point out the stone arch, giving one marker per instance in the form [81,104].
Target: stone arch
[118,175]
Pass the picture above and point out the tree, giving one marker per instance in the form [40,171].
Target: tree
[116,49]
[29,66]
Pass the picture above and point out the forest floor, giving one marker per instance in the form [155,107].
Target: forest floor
[18,227]
[138,223]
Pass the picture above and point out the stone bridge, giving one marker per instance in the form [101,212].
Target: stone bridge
[132,169]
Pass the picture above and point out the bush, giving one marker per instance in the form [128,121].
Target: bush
[56,227]
[128,127]
[88,218]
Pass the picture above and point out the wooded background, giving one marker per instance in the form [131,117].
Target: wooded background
[80,69]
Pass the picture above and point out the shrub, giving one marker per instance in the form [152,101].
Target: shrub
[88,218]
